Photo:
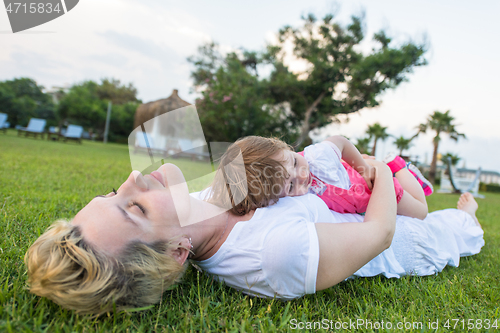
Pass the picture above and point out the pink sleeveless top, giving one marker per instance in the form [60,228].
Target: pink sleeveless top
[352,200]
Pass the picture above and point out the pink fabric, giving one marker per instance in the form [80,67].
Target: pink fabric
[396,164]
[355,199]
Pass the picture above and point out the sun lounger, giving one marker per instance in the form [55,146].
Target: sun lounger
[35,126]
[73,132]
[187,149]
[3,122]
[144,142]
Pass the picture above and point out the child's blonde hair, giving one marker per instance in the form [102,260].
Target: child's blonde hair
[67,270]
[265,176]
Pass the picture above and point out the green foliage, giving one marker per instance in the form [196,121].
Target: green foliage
[82,106]
[122,122]
[338,78]
[42,181]
[439,122]
[489,187]
[23,99]
[112,90]
[86,105]
[234,101]
[376,132]
[402,144]
[453,157]
[363,145]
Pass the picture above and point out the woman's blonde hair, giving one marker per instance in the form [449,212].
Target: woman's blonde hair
[265,176]
[69,271]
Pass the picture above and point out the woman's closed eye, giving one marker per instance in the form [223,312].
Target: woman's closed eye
[143,210]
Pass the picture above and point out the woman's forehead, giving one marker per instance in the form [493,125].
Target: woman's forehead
[104,225]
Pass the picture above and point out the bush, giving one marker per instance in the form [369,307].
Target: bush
[489,187]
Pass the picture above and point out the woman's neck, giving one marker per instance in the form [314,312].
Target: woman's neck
[209,226]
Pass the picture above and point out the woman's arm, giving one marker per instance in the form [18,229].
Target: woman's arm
[346,247]
[353,157]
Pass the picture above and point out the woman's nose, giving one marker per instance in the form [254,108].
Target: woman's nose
[138,179]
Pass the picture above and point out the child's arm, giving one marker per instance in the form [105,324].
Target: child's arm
[352,156]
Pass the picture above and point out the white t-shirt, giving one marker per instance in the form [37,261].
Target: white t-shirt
[276,252]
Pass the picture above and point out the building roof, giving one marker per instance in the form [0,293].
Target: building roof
[150,110]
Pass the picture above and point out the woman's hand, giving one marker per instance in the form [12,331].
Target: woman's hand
[368,174]
[346,247]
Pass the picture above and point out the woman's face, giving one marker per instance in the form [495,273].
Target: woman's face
[146,208]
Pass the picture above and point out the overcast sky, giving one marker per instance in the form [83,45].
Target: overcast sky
[147,43]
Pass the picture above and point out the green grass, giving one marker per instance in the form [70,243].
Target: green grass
[41,181]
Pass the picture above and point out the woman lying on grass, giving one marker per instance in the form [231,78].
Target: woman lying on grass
[123,250]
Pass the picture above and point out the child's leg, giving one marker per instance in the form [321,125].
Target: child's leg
[413,202]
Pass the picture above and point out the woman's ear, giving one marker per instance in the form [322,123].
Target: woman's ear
[181,252]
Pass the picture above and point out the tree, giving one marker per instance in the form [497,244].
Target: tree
[112,90]
[338,78]
[403,144]
[440,123]
[376,132]
[235,101]
[363,145]
[86,104]
[23,99]
[453,158]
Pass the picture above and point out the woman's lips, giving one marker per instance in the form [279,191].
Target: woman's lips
[158,176]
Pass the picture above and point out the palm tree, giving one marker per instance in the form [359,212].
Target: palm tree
[403,144]
[440,123]
[363,145]
[454,158]
[376,132]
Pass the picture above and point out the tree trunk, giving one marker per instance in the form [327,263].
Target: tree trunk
[432,171]
[305,126]
[374,146]
[401,152]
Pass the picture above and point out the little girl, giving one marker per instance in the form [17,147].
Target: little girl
[334,170]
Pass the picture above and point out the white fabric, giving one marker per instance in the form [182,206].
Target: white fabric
[324,162]
[276,253]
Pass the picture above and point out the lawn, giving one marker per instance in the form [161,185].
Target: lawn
[41,181]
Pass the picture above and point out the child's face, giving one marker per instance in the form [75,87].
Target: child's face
[299,179]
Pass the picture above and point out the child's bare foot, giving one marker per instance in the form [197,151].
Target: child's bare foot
[468,204]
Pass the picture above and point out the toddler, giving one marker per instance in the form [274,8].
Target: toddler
[334,170]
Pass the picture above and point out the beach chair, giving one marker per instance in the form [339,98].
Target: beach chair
[144,143]
[450,183]
[187,149]
[35,126]
[3,122]
[73,132]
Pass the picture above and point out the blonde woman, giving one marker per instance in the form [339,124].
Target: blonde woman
[123,250]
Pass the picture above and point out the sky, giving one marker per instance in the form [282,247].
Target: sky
[147,43]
